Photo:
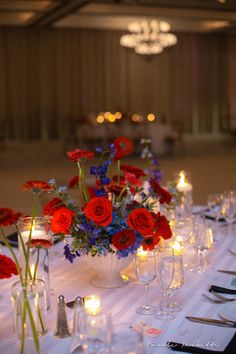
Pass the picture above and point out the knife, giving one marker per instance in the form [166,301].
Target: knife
[211,321]
[231,272]
[219,289]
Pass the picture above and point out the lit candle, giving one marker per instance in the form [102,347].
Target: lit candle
[183,186]
[92,304]
[177,247]
[142,254]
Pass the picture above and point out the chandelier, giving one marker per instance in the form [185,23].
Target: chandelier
[148,37]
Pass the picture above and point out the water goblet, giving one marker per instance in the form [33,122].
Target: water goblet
[182,229]
[145,269]
[165,272]
[177,283]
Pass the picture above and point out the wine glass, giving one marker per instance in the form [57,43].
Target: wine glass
[214,203]
[165,272]
[177,282]
[182,228]
[145,269]
[199,242]
[229,206]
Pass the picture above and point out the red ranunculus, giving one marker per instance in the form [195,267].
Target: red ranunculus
[7,267]
[40,242]
[123,147]
[78,154]
[122,179]
[132,179]
[62,220]
[74,181]
[53,205]
[150,242]
[99,210]
[115,189]
[138,172]
[142,221]
[123,239]
[36,186]
[162,226]
[165,196]
[8,217]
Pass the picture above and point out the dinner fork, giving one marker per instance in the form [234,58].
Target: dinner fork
[217,301]
[223,298]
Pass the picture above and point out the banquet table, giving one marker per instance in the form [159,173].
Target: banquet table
[72,280]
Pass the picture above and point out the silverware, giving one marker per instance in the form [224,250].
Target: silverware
[231,272]
[232,252]
[211,321]
[223,298]
[214,301]
[62,330]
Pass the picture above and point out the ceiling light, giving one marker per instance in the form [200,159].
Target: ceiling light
[148,37]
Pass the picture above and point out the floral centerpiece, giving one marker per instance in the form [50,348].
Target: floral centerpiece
[118,214]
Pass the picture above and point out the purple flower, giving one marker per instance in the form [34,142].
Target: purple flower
[68,254]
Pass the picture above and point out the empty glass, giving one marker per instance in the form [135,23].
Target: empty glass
[125,340]
[199,242]
[182,228]
[177,283]
[165,272]
[229,206]
[145,269]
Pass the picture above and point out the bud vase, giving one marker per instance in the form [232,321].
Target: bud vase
[29,315]
[39,256]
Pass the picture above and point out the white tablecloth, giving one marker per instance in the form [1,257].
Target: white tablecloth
[72,280]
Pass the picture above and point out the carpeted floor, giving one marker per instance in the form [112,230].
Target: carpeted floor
[212,165]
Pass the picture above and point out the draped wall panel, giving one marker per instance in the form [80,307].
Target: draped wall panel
[50,78]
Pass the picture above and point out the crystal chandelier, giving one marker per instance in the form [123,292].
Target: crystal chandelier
[148,37]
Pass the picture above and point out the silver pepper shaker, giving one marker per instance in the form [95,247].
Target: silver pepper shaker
[62,330]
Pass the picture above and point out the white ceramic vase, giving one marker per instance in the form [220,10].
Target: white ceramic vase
[108,270]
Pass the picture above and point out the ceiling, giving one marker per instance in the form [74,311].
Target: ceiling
[184,16]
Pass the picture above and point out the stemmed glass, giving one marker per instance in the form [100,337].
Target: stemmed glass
[199,242]
[177,282]
[229,206]
[145,269]
[182,228]
[214,203]
[165,272]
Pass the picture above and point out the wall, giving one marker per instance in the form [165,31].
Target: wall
[52,78]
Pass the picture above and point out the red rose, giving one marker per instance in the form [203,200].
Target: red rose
[138,172]
[36,186]
[165,196]
[40,242]
[142,221]
[62,220]
[53,205]
[8,217]
[78,154]
[7,267]
[123,147]
[150,242]
[99,210]
[123,239]
[162,226]
[74,181]
[122,179]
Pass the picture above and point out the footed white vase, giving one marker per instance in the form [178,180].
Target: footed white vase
[108,270]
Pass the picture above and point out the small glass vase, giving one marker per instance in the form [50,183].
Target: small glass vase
[29,315]
[39,258]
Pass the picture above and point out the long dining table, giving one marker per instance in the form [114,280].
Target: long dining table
[72,280]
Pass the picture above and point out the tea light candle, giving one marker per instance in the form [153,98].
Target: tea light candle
[142,254]
[35,234]
[177,247]
[182,185]
[92,304]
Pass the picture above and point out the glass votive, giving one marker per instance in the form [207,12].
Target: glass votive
[184,188]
